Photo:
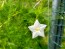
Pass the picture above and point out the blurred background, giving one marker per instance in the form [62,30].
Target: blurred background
[16,16]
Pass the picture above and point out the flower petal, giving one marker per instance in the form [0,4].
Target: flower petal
[34,35]
[43,26]
[31,28]
[41,34]
[36,24]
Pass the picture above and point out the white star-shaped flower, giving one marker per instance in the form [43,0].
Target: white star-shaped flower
[37,29]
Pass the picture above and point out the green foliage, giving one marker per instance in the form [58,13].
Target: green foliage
[15,17]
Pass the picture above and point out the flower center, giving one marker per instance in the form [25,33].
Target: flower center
[37,29]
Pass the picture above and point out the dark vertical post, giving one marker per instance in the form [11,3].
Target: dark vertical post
[56,24]
[59,25]
[55,5]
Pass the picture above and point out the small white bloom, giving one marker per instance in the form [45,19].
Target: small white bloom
[37,29]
